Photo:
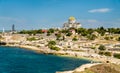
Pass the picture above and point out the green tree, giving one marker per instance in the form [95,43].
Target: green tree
[101,30]
[111,30]
[23,32]
[34,32]
[90,31]
[82,31]
[114,30]
[39,31]
[64,31]
[51,30]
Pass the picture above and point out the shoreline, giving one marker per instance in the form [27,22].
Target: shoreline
[41,51]
[94,61]
[65,54]
[37,50]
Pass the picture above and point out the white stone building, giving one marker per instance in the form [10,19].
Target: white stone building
[71,23]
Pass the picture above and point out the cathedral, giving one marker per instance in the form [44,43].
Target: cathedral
[71,23]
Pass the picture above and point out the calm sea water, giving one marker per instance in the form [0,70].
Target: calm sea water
[16,60]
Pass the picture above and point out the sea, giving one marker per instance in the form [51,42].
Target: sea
[19,60]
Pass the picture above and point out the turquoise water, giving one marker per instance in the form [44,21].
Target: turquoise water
[16,60]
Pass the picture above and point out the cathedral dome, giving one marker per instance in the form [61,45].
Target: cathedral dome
[72,18]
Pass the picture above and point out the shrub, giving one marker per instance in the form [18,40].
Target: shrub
[69,46]
[51,43]
[93,47]
[40,31]
[92,37]
[75,38]
[102,47]
[111,37]
[54,48]
[118,39]
[107,54]
[107,38]
[48,33]
[51,30]
[117,56]
[101,53]
[31,39]
[58,35]
[69,34]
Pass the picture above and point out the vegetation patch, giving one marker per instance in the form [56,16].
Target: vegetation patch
[108,54]
[69,34]
[102,47]
[50,43]
[31,39]
[54,48]
[117,56]
[75,38]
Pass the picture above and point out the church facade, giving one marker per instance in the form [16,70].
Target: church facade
[71,23]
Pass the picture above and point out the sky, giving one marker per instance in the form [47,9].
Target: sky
[42,14]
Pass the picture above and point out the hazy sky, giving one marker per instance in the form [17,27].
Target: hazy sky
[36,14]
